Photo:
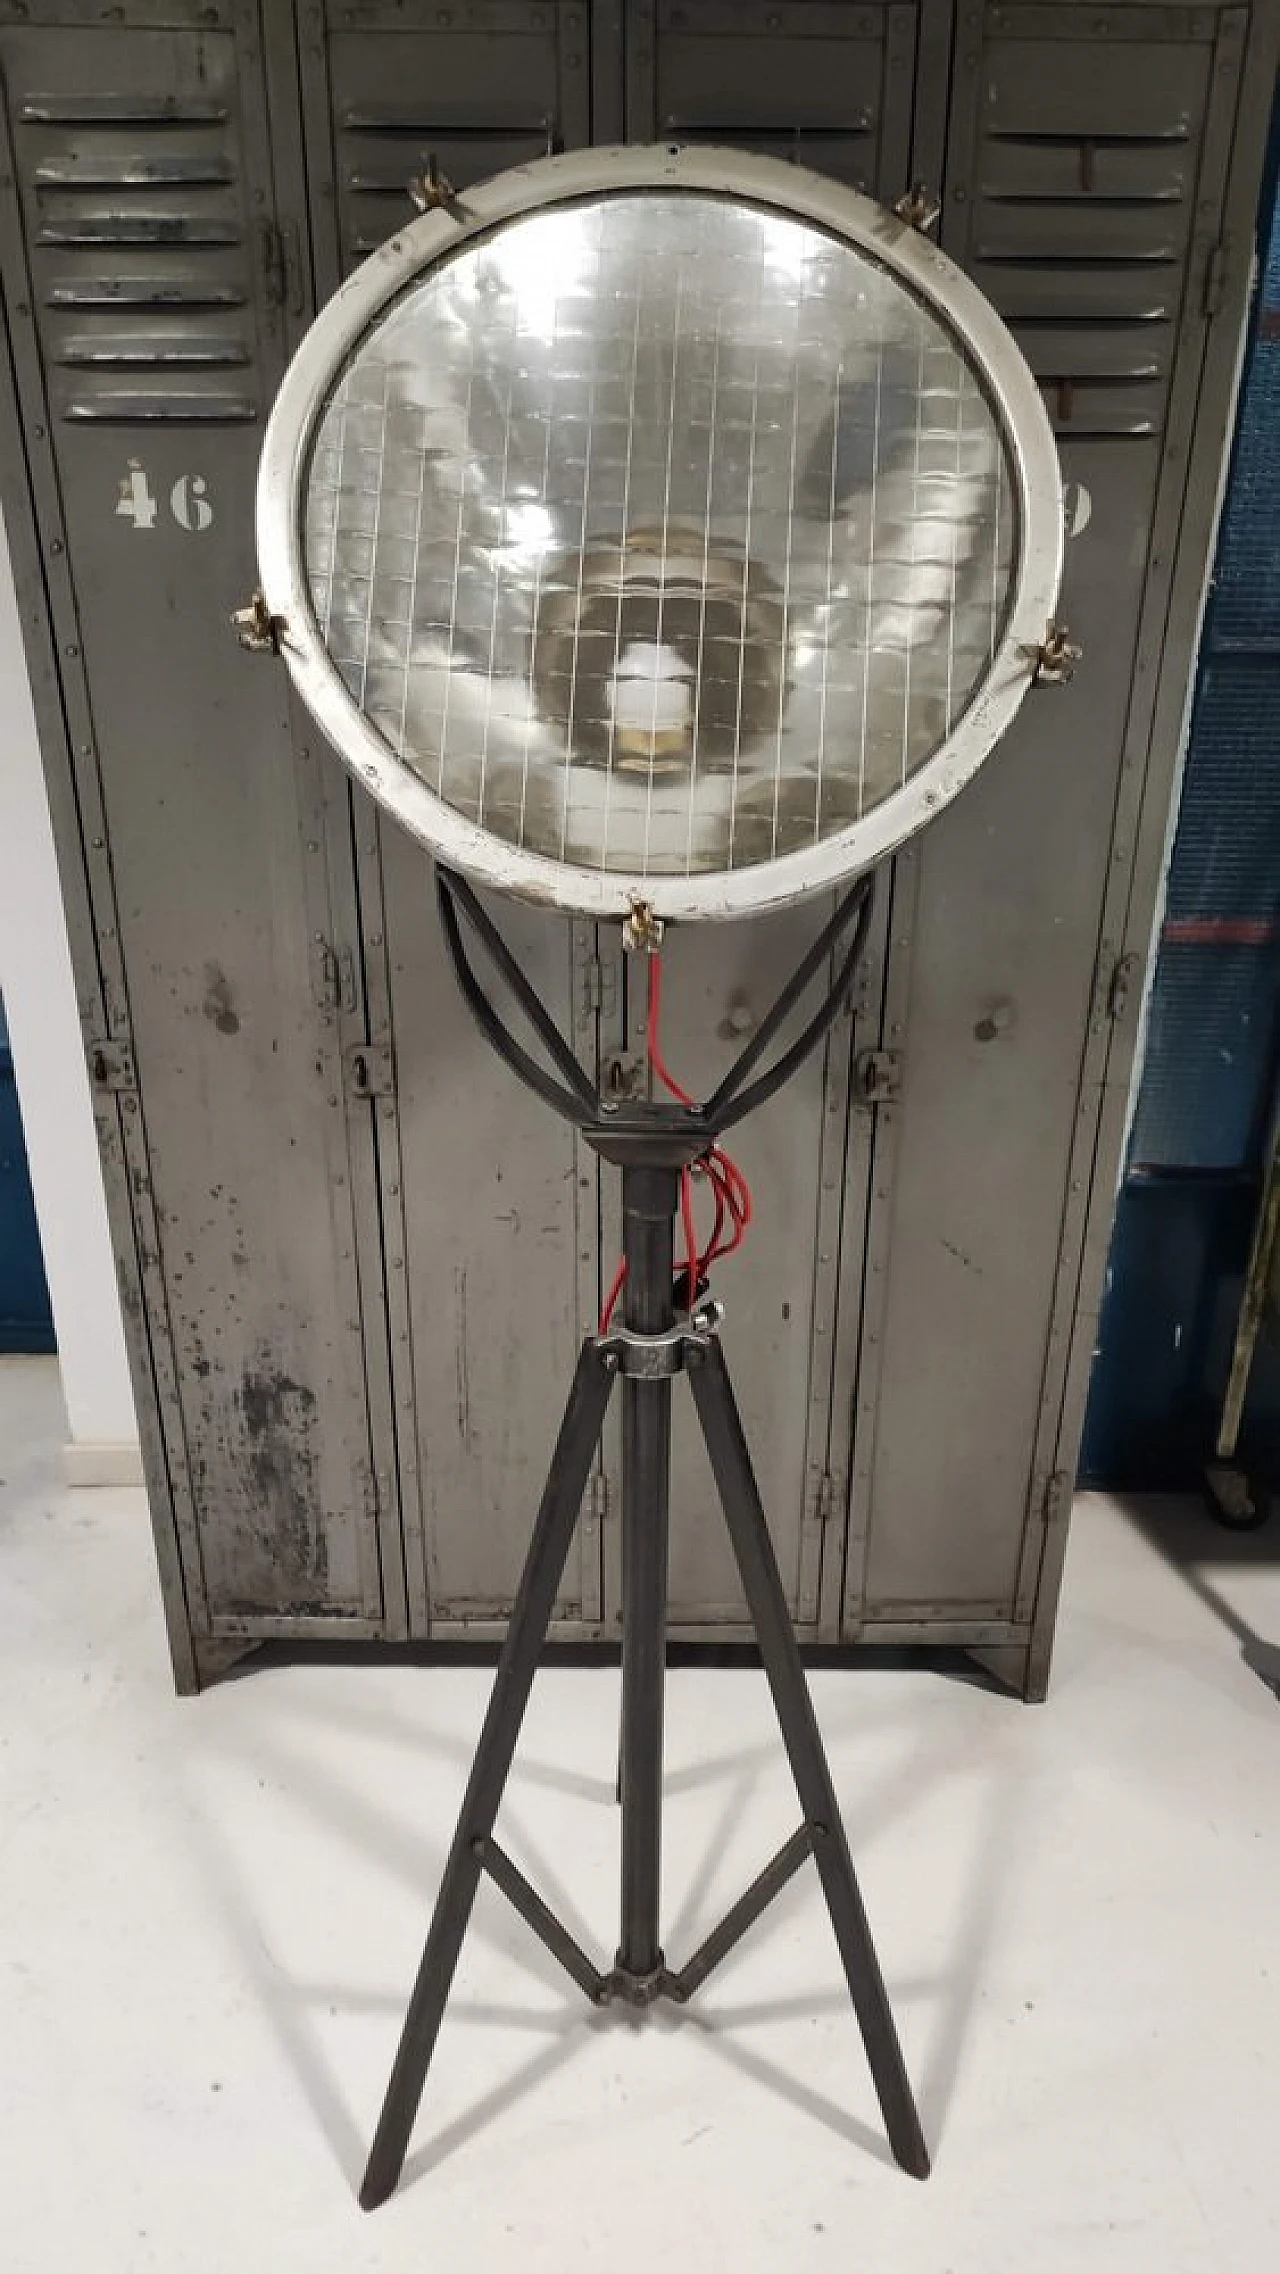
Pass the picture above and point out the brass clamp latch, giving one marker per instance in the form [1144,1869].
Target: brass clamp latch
[433,192]
[642,929]
[919,207]
[1054,661]
[257,628]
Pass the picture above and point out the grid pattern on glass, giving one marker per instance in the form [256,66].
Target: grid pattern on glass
[660,533]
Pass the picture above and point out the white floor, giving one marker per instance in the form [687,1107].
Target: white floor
[211,1911]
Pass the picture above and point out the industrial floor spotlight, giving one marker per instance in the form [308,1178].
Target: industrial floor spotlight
[660,535]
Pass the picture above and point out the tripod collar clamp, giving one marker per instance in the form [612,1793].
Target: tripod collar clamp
[656,1357]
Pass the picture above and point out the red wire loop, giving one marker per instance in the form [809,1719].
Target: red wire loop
[730,1191]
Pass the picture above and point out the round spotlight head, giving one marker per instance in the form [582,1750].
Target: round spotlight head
[660,525]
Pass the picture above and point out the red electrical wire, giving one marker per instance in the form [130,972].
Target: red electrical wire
[730,1190]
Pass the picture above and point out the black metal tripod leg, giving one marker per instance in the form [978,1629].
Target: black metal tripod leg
[530,1616]
[753,1548]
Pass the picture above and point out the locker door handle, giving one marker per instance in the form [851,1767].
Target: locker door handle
[281,252]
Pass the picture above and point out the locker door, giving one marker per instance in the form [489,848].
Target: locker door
[817,81]
[829,86]
[393,83]
[489,1206]
[1085,175]
[145,292]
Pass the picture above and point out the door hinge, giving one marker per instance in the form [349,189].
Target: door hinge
[1120,985]
[280,250]
[1214,288]
[827,1499]
[1056,1503]
[877,1076]
[601,982]
[335,978]
[369,1070]
[596,1506]
[111,1066]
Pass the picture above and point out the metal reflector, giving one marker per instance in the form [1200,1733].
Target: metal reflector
[674,526]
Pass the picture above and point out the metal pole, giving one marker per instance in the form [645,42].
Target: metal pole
[649,1200]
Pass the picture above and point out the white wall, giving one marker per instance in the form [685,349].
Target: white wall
[53,1089]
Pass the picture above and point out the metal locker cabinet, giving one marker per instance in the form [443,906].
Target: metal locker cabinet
[1087,169]
[490,1206]
[144,291]
[346,1431]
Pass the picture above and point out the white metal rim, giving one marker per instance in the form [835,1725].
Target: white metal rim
[793,190]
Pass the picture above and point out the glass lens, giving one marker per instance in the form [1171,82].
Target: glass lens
[660,533]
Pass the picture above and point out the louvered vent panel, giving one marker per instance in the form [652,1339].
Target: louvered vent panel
[475,101]
[803,81]
[139,247]
[1082,215]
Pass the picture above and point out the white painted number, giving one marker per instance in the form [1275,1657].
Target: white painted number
[191,508]
[136,502]
[188,500]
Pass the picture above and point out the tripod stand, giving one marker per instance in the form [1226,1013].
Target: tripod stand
[651,1144]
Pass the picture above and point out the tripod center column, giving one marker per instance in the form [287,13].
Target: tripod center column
[650,1197]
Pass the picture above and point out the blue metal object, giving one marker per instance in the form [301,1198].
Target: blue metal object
[26,1323]
[1196,1154]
